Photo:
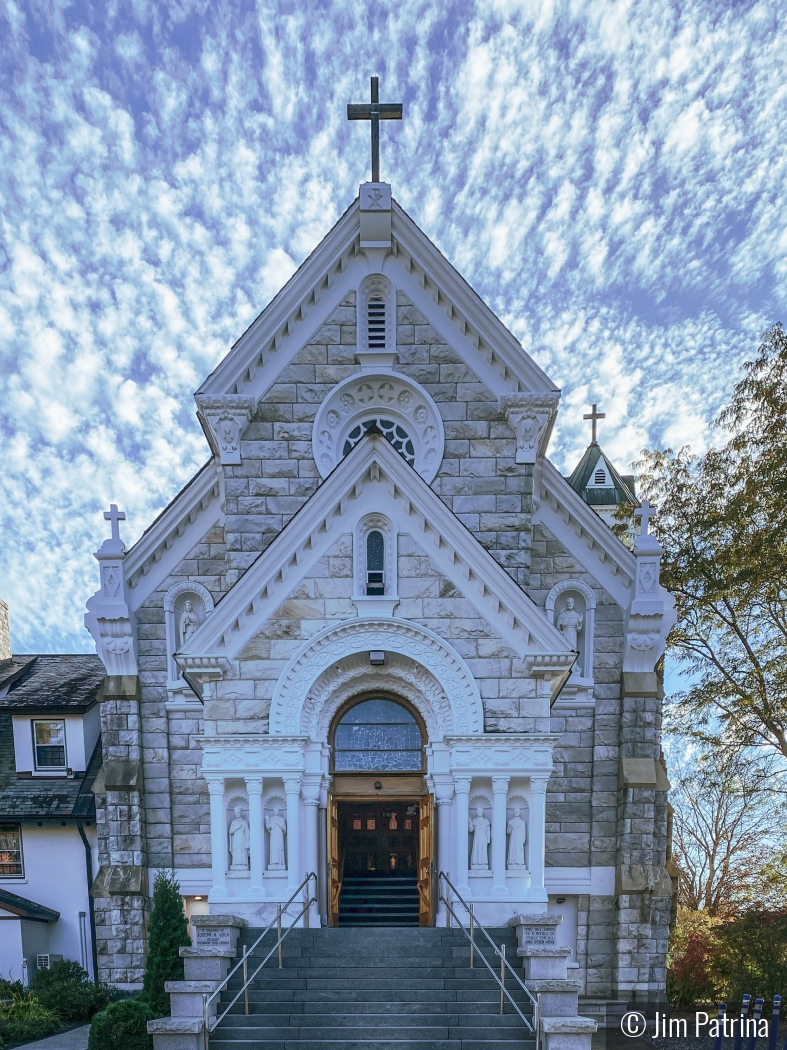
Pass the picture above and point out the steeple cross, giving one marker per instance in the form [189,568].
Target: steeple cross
[594,416]
[645,512]
[115,516]
[375,112]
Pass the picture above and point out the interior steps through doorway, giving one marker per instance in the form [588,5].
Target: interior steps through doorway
[368,901]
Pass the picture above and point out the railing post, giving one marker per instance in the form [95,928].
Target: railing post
[774,1033]
[502,974]
[537,1017]
[472,920]
[205,1035]
[278,931]
[306,902]
[245,982]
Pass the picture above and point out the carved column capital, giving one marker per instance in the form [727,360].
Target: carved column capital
[253,785]
[462,785]
[538,785]
[500,785]
[215,785]
[226,418]
[292,785]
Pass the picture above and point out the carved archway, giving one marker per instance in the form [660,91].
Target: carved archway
[315,677]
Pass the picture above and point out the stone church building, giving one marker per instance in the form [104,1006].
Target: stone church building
[379,636]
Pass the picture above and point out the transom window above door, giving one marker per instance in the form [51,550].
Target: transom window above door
[378,735]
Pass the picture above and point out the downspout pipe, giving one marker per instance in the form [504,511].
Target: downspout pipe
[90,902]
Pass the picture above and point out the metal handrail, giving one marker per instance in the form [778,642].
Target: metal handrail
[243,961]
[504,963]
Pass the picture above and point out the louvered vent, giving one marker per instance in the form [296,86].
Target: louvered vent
[375,324]
[600,477]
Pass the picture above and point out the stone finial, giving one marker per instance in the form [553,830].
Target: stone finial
[532,417]
[109,617]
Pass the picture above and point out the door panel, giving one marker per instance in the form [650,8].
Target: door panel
[334,864]
[425,855]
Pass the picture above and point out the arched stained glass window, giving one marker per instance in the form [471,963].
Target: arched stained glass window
[378,736]
[375,563]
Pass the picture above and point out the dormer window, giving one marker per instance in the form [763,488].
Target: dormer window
[11,851]
[375,563]
[49,744]
[375,323]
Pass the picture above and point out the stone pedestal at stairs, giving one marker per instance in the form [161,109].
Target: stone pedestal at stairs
[545,970]
[205,967]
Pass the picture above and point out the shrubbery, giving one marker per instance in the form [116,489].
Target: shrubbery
[122,1026]
[167,933]
[23,1019]
[711,959]
[67,989]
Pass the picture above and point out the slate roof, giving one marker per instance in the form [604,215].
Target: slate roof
[55,684]
[622,490]
[43,798]
[26,909]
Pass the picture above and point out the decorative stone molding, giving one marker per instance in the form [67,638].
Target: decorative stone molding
[226,417]
[518,754]
[375,218]
[386,396]
[109,617]
[532,417]
[199,671]
[233,756]
[652,612]
[353,675]
[407,639]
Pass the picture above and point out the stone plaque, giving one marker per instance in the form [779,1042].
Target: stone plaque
[539,935]
[214,937]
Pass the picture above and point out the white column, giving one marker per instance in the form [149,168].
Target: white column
[462,786]
[254,792]
[292,785]
[311,801]
[500,789]
[445,862]
[538,821]
[218,837]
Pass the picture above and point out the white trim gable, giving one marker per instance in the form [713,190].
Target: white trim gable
[375,478]
[339,265]
[577,526]
[180,526]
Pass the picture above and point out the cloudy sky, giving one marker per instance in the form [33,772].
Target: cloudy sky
[608,175]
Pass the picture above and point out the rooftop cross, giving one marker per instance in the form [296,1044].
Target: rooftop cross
[645,512]
[375,112]
[594,416]
[115,516]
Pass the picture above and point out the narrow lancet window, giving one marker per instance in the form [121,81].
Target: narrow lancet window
[375,318]
[375,563]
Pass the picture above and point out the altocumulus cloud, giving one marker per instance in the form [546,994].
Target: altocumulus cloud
[607,175]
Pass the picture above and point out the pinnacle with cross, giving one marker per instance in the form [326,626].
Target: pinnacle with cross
[375,112]
[114,516]
[594,416]
[645,513]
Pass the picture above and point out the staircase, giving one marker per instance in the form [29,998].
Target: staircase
[365,901]
[378,987]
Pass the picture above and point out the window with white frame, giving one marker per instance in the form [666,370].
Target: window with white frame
[11,865]
[375,562]
[375,558]
[49,744]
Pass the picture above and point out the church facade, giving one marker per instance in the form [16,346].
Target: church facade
[379,637]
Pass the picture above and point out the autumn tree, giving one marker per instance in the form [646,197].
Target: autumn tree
[723,524]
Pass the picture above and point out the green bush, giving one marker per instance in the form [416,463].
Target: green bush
[67,989]
[122,1026]
[167,933]
[24,1019]
[751,955]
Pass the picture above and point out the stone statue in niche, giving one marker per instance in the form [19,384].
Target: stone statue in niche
[517,837]
[570,623]
[277,826]
[481,830]
[239,842]
[189,621]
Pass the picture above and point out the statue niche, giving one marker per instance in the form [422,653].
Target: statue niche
[570,616]
[239,840]
[276,826]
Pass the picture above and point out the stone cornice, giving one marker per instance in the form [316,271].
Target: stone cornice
[230,755]
[515,754]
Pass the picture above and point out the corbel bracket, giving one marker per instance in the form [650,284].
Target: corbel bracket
[532,417]
[224,420]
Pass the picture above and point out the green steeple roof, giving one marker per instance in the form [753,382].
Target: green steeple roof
[614,488]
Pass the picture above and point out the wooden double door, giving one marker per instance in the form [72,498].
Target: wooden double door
[377,838]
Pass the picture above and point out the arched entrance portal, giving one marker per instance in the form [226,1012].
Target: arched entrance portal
[380,848]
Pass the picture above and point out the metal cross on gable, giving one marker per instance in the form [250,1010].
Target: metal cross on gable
[115,516]
[375,112]
[594,416]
